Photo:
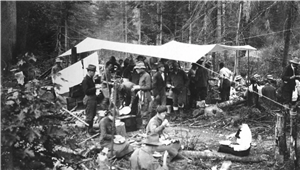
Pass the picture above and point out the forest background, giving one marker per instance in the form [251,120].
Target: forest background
[31,124]
[49,28]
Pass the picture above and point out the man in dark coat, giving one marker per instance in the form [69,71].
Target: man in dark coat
[192,85]
[201,80]
[288,77]
[178,81]
[269,91]
[158,88]
[89,99]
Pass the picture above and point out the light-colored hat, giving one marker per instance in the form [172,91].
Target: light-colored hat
[270,77]
[295,60]
[91,67]
[152,139]
[139,65]
[256,75]
[58,60]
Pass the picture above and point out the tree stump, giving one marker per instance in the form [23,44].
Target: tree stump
[293,140]
[280,139]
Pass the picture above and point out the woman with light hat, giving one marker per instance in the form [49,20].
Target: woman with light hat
[288,77]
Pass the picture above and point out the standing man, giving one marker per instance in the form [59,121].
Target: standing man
[159,87]
[192,85]
[225,77]
[144,88]
[56,68]
[89,99]
[289,77]
[201,80]
[178,82]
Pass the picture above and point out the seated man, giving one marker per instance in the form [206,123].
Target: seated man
[157,125]
[142,158]
[158,122]
[121,148]
[243,142]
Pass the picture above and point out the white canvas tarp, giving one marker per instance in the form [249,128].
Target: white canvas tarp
[74,74]
[172,50]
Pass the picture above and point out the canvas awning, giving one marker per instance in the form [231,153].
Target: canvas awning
[172,50]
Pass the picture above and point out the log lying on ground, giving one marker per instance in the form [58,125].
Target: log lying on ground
[231,102]
[223,156]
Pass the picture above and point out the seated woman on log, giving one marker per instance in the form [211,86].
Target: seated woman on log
[121,147]
[242,145]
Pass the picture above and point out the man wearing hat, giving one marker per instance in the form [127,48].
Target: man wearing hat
[141,58]
[269,91]
[178,81]
[56,68]
[159,87]
[201,80]
[143,158]
[288,77]
[89,89]
[144,90]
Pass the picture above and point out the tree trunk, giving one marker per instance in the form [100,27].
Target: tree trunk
[280,139]
[125,24]
[190,25]
[219,22]
[224,28]
[8,32]
[205,24]
[287,33]
[237,56]
[159,23]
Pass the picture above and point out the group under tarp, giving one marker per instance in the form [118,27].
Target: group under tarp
[172,50]
[74,74]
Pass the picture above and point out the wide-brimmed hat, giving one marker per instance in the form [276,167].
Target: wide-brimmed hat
[256,76]
[91,67]
[139,65]
[160,65]
[270,77]
[152,139]
[140,57]
[295,60]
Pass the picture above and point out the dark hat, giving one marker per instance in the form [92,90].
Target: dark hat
[152,139]
[161,109]
[140,65]
[140,57]
[91,67]
[160,65]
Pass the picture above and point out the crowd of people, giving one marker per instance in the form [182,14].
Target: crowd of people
[149,90]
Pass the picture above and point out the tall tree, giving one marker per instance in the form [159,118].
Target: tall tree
[291,10]
[8,32]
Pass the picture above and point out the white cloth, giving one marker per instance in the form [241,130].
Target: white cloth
[226,73]
[244,140]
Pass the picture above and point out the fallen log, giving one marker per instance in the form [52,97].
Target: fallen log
[231,102]
[223,156]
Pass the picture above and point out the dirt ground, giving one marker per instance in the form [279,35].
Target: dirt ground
[206,137]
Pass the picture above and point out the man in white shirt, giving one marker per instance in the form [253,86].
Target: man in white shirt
[225,77]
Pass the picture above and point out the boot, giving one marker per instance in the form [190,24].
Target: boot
[91,130]
[174,115]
